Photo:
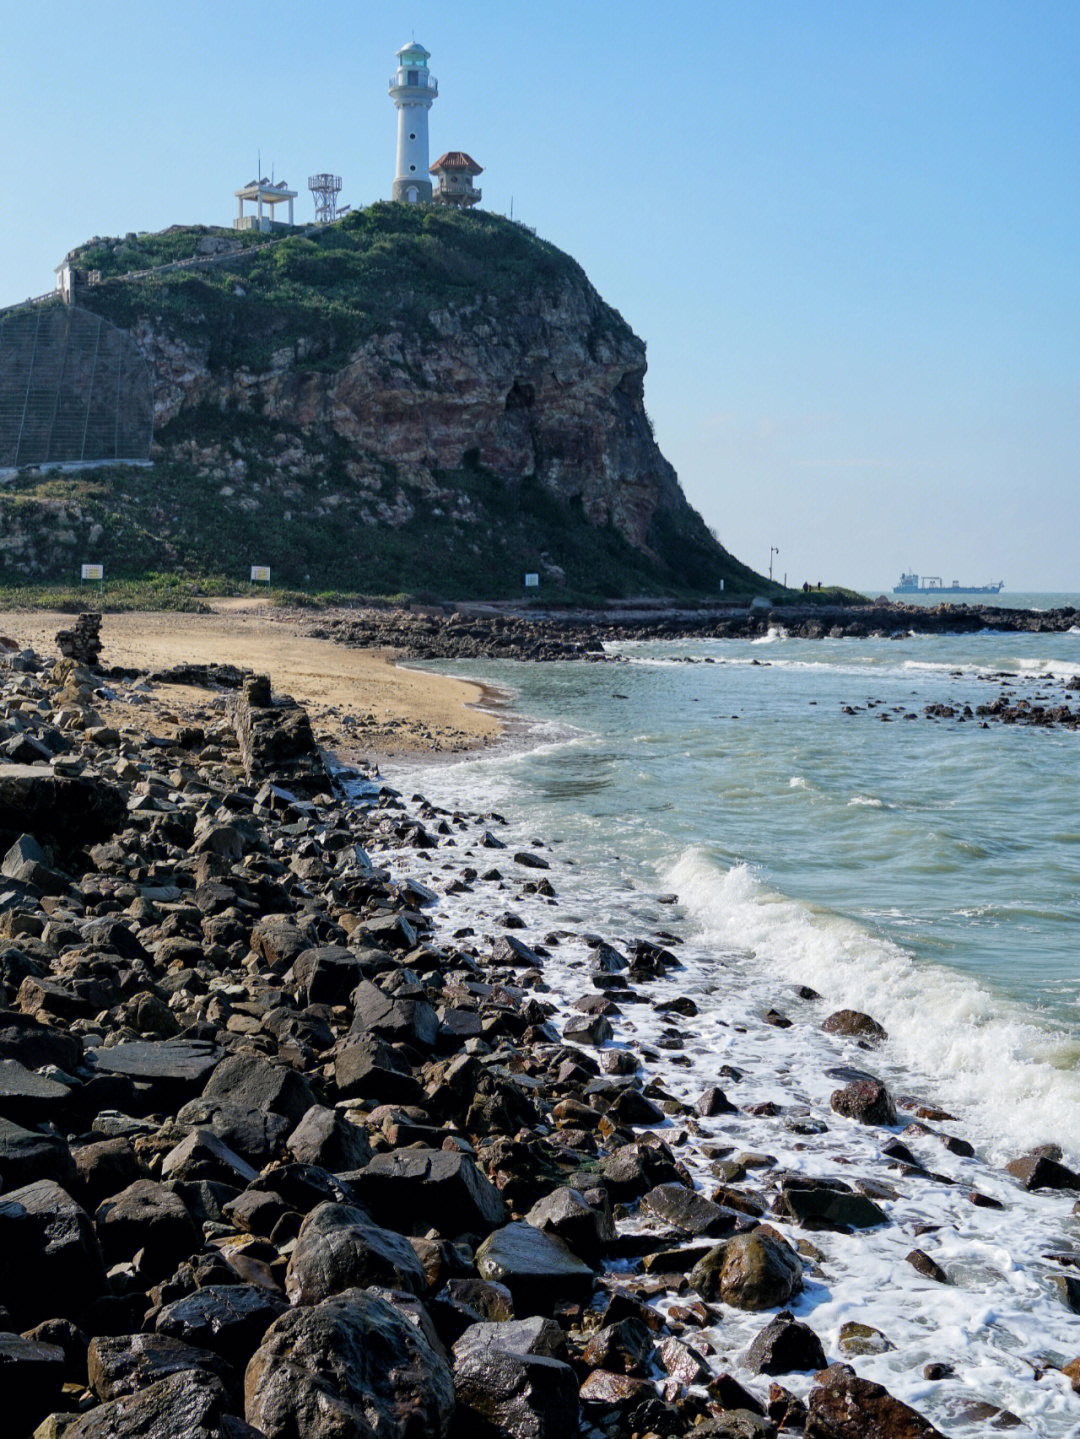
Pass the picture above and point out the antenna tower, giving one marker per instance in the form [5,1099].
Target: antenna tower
[325,190]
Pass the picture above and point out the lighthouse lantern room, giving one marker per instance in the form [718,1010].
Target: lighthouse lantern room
[413,90]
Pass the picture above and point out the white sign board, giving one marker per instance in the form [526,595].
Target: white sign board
[532,582]
[93,572]
[260,574]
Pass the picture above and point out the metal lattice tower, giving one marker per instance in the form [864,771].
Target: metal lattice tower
[325,190]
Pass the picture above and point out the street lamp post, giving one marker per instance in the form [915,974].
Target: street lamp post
[773,550]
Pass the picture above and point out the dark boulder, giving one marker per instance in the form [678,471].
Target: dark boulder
[508,1385]
[248,1081]
[752,1271]
[845,1407]
[126,1363]
[783,1347]
[167,1071]
[688,1211]
[826,1204]
[339,1248]
[27,1156]
[866,1100]
[61,810]
[417,1189]
[325,1139]
[1039,1170]
[353,1365]
[856,1024]
[227,1319]
[388,1017]
[539,1269]
[586,1228]
[50,1262]
[31,1378]
[188,1405]
[149,1217]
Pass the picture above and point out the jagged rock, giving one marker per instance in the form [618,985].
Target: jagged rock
[866,1100]
[412,1020]
[62,810]
[1039,1170]
[202,1155]
[625,1347]
[26,1156]
[191,1404]
[783,1346]
[127,1363]
[845,1407]
[327,974]
[149,1217]
[169,1071]
[351,1365]
[417,1189]
[539,1269]
[856,1339]
[584,1227]
[339,1248]
[826,1204]
[751,1271]
[927,1267]
[31,1378]
[228,1319]
[50,1262]
[367,1068]
[248,1081]
[507,1382]
[688,1211]
[324,1139]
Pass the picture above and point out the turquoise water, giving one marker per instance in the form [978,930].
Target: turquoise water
[926,871]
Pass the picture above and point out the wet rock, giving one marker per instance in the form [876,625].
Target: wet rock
[845,1407]
[520,1395]
[736,1424]
[713,1102]
[625,1347]
[191,1404]
[512,952]
[1039,1170]
[149,1217]
[340,1248]
[866,1100]
[31,1378]
[352,1365]
[228,1319]
[539,1269]
[688,1211]
[417,1189]
[751,1271]
[566,1213]
[50,1262]
[127,1363]
[827,1204]
[614,1391]
[332,1143]
[856,1339]
[856,1024]
[783,1347]
[924,1265]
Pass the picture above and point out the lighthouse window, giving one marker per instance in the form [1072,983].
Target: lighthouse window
[412,167]
[414,77]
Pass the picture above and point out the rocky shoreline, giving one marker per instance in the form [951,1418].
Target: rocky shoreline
[281,1155]
[430,632]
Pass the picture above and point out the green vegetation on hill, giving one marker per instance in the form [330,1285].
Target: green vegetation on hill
[331,286]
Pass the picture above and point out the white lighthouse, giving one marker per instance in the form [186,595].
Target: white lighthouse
[413,90]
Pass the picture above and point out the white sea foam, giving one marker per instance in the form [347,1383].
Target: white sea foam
[797,782]
[1017,1076]
[865,801]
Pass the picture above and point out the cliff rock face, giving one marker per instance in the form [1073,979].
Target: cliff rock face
[411,396]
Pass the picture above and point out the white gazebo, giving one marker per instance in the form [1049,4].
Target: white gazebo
[263,193]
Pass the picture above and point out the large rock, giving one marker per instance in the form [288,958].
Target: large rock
[31,1378]
[35,1045]
[415,1190]
[255,1134]
[147,1216]
[854,1023]
[866,1100]
[60,810]
[26,1156]
[411,1020]
[350,1367]
[827,1204]
[188,1405]
[1040,1170]
[323,1138]
[249,1082]
[508,1383]
[690,1212]
[120,1364]
[27,1097]
[366,1067]
[783,1347]
[585,1227]
[751,1271]
[50,1262]
[228,1319]
[539,1269]
[168,1071]
[339,1248]
[845,1407]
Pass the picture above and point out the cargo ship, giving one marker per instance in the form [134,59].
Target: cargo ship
[931,585]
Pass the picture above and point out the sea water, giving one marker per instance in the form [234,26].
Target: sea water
[817,829]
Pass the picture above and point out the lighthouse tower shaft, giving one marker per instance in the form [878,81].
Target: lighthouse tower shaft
[413,90]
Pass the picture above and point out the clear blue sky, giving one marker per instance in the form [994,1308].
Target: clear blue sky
[848,230]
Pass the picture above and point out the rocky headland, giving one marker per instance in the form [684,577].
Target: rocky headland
[283,1154]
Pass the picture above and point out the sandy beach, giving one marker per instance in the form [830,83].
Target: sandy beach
[362,705]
